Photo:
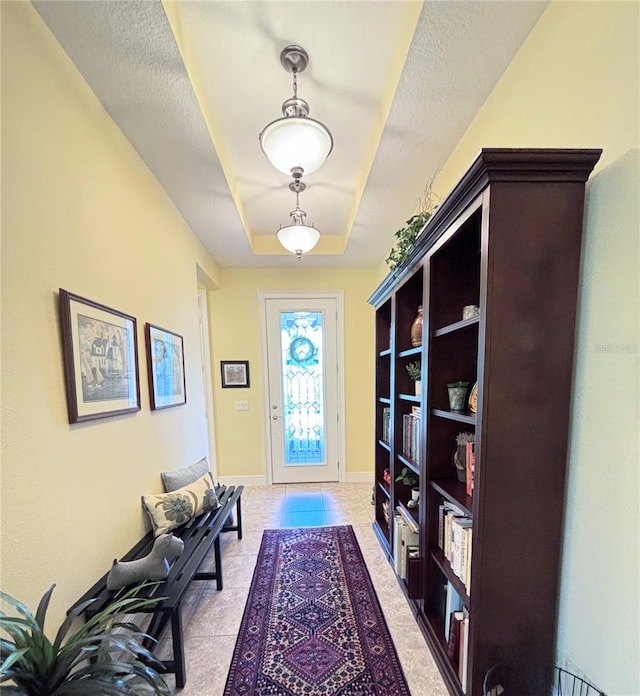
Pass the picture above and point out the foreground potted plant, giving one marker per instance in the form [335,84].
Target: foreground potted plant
[94,660]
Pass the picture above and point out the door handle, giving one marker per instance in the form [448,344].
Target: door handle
[274,417]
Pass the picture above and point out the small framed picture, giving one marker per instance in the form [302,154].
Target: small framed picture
[165,367]
[235,373]
[100,353]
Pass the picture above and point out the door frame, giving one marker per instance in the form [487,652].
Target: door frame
[205,357]
[338,296]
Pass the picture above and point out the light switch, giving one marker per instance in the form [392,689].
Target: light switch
[242,405]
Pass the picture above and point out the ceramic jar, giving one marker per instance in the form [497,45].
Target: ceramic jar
[416,329]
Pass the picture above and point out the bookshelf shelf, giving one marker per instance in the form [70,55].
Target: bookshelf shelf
[454,491]
[409,397]
[445,568]
[456,326]
[411,352]
[385,488]
[459,416]
[414,466]
[514,215]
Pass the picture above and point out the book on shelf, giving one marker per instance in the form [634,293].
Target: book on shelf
[467,561]
[407,537]
[460,527]
[413,525]
[455,535]
[470,460]
[445,509]
[453,643]
[386,420]
[397,540]
[452,603]
[411,436]
[464,650]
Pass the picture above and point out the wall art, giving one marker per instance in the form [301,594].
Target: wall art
[100,352]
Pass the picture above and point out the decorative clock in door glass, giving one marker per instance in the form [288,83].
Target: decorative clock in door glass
[302,350]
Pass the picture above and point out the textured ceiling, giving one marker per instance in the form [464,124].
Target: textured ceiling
[191,84]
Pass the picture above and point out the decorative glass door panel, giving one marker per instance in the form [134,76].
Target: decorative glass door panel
[303,387]
[302,367]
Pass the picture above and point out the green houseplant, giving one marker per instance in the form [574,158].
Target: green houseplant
[415,373]
[406,236]
[407,477]
[410,479]
[104,656]
[415,370]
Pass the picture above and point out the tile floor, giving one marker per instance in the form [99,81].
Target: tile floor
[212,619]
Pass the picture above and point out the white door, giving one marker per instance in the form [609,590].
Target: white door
[302,367]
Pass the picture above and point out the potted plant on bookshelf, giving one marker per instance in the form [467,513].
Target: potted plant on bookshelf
[406,236]
[415,372]
[103,656]
[457,395]
[409,478]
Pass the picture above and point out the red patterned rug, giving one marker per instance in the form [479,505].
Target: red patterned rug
[312,624]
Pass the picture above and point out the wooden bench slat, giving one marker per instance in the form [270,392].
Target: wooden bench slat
[199,536]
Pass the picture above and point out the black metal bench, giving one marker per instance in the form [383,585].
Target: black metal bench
[198,535]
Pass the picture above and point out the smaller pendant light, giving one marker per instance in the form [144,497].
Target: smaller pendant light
[298,237]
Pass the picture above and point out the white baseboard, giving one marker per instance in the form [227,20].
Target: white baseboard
[243,480]
[359,477]
[351,477]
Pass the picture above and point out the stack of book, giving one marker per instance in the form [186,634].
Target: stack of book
[405,539]
[457,633]
[411,434]
[386,420]
[455,538]
[470,461]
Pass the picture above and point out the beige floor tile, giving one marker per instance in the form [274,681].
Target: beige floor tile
[212,619]
[219,614]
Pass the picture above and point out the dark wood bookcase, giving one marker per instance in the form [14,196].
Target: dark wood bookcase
[507,239]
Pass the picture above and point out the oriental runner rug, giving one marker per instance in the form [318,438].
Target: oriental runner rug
[312,624]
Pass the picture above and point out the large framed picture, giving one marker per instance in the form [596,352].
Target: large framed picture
[100,352]
[165,366]
[235,373]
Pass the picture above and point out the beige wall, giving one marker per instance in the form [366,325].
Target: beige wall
[236,336]
[77,202]
[80,211]
[575,83]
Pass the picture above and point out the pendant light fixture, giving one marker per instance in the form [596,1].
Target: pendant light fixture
[298,237]
[296,144]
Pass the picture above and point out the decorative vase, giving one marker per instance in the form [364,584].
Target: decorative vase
[418,384]
[457,395]
[416,329]
[415,494]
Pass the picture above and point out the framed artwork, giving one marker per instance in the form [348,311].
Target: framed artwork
[100,353]
[235,373]
[165,366]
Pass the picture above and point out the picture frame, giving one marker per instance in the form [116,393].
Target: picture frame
[165,367]
[100,357]
[235,374]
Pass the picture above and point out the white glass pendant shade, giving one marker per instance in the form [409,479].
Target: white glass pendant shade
[298,239]
[295,142]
